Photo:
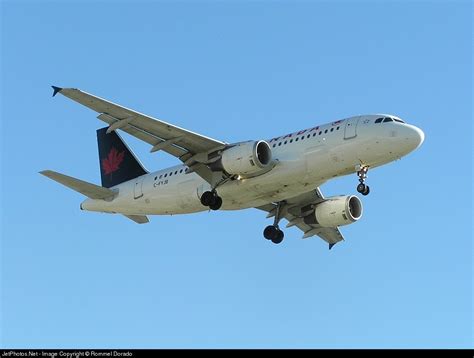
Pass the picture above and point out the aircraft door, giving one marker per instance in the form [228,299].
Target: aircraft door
[350,130]
[138,190]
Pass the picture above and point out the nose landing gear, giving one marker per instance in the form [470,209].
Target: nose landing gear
[273,232]
[363,189]
[362,174]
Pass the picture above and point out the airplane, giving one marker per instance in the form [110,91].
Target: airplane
[280,176]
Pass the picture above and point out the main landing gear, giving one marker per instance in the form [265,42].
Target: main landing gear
[362,174]
[273,232]
[211,199]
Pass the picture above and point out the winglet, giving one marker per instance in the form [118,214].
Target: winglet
[331,245]
[56,90]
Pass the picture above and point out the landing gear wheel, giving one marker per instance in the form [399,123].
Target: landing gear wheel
[366,191]
[274,234]
[361,188]
[216,203]
[279,237]
[270,232]
[362,174]
[211,199]
[207,198]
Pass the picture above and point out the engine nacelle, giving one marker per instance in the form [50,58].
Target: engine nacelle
[336,211]
[246,158]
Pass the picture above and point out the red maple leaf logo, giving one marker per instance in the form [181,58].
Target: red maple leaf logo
[112,162]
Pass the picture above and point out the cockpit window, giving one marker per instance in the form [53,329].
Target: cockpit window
[388,119]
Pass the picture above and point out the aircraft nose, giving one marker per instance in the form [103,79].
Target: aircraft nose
[417,136]
[412,136]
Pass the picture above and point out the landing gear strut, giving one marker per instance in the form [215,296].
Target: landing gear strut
[211,199]
[362,174]
[273,232]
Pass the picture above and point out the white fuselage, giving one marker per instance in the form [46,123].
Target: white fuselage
[303,161]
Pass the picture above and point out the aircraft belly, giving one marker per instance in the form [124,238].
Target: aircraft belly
[293,175]
[175,197]
[288,179]
[159,198]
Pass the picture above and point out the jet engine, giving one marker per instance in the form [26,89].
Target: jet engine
[336,211]
[246,158]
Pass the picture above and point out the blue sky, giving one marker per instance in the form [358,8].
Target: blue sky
[236,71]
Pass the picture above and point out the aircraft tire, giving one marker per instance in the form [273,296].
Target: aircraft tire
[366,191]
[361,188]
[279,237]
[217,203]
[270,232]
[207,198]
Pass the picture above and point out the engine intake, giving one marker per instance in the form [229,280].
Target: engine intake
[247,158]
[336,211]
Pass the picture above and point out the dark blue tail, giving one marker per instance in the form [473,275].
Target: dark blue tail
[117,162]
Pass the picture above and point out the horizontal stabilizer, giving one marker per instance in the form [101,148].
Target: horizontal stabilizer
[139,219]
[90,190]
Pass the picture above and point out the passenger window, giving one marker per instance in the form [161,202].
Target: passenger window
[378,120]
[274,145]
[286,141]
[332,129]
[291,140]
[181,171]
[166,175]
[296,139]
[309,135]
[337,128]
[320,132]
[387,120]
[156,178]
[302,137]
[314,134]
[279,144]
[176,172]
[326,131]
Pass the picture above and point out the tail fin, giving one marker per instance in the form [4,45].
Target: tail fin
[117,162]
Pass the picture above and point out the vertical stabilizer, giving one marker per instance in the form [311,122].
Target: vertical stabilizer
[117,162]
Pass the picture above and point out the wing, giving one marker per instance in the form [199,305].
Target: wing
[191,148]
[294,211]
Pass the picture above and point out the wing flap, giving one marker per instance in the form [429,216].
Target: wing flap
[292,213]
[191,141]
[181,143]
[142,135]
